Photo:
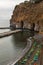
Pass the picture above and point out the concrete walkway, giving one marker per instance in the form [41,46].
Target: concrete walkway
[38,37]
[4,27]
[8,33]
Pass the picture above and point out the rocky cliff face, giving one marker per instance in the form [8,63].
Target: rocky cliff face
[28,12]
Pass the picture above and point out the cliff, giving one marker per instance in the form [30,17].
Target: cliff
[29,12]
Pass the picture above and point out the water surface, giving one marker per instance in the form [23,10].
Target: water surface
[10,47]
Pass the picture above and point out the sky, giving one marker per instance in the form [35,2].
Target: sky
[9,3]
[6,7]
[6,10]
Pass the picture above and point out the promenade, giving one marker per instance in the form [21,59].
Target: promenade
[39,38]
[8,33]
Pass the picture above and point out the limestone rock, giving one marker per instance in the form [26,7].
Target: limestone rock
[28,12]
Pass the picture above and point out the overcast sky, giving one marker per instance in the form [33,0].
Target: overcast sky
[6,10]
[9,3]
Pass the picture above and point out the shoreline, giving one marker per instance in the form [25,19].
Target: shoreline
[26,50]
[28,47]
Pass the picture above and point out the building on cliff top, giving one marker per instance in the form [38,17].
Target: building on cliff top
[28,13]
